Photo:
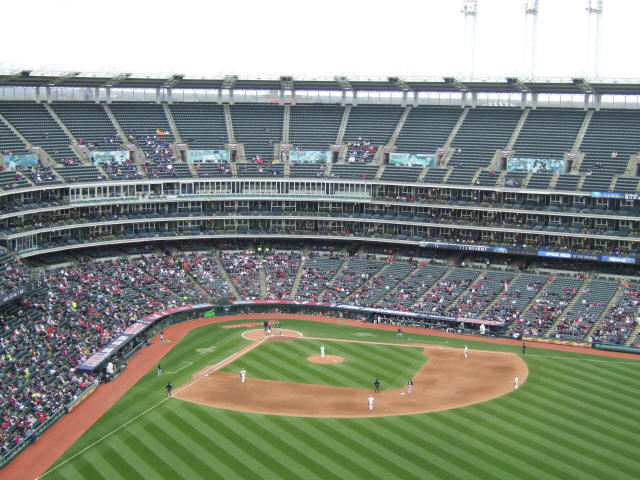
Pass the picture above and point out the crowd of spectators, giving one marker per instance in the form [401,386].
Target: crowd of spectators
[122,171]
[82,307]
[242,268]
[621,319]
[439,298]
[360,151]
[281,270]
[545,310]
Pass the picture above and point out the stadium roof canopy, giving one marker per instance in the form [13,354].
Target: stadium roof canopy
[27,78]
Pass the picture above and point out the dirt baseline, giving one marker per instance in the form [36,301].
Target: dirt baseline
[447,380]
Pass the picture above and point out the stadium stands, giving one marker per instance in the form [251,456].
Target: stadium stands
[201,125]
[484,130]
[612,136]
[39,128]
[89,124]
[426,129]
[315,127]
[258,127]
[549,133]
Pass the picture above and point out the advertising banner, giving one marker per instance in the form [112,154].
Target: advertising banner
[208,156]
[115,156]
[413,159]
[22,161]
[535,165]
[142,324]
[309,156]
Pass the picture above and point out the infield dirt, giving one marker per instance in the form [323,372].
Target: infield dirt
[446,380]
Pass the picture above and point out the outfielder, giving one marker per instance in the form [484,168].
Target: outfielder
[322,352]
[243,374]
[466,352]
[370,402]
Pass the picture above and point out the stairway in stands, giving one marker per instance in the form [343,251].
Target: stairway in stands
[225,275]
[296,282]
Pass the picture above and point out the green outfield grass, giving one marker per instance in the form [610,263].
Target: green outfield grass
[363,363]
[576,417]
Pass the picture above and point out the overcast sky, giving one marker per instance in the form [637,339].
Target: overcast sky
[368,38]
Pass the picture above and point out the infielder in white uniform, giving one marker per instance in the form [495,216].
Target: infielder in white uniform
[243,374]
[370,402]
[516,383]
[410,385]
[466,352]
[322,352]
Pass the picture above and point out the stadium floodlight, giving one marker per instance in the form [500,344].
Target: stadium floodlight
[530,34]
[594,10]
[594,6]
[531,6]
[469,7]
[470,11]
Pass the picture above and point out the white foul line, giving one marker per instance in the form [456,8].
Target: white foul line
[211,369]
[186,364]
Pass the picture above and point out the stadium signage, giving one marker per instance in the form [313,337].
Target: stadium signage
[457,246]
[377,311]
[556,342]
[621,196]
[528,251]
[82,397]
[13,294]
[131,332]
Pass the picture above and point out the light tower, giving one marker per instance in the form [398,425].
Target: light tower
[470,10]
[594,9]
[530,33]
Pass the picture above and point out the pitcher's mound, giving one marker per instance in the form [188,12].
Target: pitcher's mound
[327,359]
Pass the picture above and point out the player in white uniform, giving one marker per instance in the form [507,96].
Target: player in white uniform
[322,352]
[243,374]
[516,383]
[466,352]
[410,385]
[370,402]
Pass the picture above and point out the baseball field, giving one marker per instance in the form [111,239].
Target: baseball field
[574,416]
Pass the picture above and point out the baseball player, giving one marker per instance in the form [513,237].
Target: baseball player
[516,383]
[243,374]
[410,385]
[376,385]
[159,370]
[169,388]
[322,352]
[466,352]
[161,336]
[279,328]
[370,402]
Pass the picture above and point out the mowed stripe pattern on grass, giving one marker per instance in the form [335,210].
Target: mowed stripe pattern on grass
[571,419]
[363,363]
